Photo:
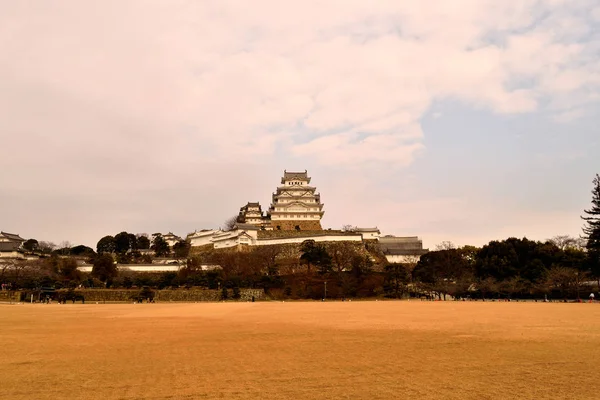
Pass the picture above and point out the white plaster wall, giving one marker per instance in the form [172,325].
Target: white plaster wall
[226,242]
[203,238]
[401,259]
[138,268]
[370,235]
[11,254]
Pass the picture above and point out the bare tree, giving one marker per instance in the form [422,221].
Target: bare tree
[46,247]
[230,223]
[342,255]
[565,242]
[65,247]
[445,245]
[349,228]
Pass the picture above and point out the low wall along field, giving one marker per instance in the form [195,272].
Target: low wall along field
[166,295]
[6,295]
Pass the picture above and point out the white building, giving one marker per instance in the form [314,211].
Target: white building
[368,233]
[402,249]
[202,237]
[11,246]
[295,204]
[170,238]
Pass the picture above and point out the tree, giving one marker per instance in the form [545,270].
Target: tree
[160,246]
[46,247]
[124,242]
[397,278]
[106,245]
[591,229]
[65,247]
[445,245]
[31,245]
[592,218]
[82,250]
[444,271]
[181,249]
[104,267]
[342,254]
[315,254]
[143,243]
[67,269]
[565,242]
[230,223]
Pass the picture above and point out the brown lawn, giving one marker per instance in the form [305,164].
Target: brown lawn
[298,350]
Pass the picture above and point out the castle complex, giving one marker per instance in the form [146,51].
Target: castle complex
[295,216]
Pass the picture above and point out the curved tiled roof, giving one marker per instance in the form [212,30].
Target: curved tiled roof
[301,176]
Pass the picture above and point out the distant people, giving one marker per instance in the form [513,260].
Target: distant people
[591,297]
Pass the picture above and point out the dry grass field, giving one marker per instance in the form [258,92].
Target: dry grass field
[298,350]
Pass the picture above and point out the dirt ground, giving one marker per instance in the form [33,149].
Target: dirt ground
[301,350]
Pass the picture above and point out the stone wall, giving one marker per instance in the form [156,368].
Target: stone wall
[166,295]
[290,225]
[9,295]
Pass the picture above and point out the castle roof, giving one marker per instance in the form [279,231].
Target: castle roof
[251,204]
[300,176]
[246,227]
[12,236]
[410,245]
[366,229]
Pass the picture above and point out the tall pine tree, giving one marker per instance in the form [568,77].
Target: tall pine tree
[592,219]
[592,230]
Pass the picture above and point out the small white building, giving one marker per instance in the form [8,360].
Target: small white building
[170,238]
[202,237]
[368,233]
[241,234]
[11,246]
[402,249]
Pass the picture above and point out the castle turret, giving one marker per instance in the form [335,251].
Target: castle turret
[251,213]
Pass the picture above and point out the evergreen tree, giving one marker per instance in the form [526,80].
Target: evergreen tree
[592,230]
[106,245]
[160,246]
[592,219]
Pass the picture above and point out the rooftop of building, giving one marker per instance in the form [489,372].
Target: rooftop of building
[300,176]
[375,229]
[203,232]
[399,239]
[12,236]
[246,227]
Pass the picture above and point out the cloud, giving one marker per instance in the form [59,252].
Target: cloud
[568,116]
[237,72]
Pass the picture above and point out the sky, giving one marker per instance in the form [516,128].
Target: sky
[463,121]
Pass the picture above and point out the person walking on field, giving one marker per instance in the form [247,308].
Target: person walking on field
[591,297]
